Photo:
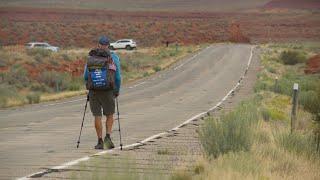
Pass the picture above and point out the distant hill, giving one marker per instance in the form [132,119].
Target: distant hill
[293,4]
[141,5]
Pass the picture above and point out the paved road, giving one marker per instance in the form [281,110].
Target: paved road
[41,136]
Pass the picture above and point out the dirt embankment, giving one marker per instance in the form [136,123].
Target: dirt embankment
[293,4]
[80,28]
[313,65]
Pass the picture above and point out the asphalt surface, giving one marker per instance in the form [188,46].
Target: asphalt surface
[37,137]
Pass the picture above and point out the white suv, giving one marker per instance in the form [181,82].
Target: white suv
[123,44]
[42,45]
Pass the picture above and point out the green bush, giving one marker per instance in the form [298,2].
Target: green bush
[266,115]
[146,74]
[66,57]
[38,51]
[56,80]
[292,57]
[17,76]
[310,100]
[231,133]
[306,83]
[3,101]
[3,63]
[75,86]
[264,83]
[124,66]
[40,87]
[6,92]
[157,68]
[33,98]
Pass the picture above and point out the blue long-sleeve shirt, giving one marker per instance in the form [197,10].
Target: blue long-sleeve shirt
[117,79]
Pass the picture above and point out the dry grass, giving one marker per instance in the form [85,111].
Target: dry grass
[266,160]
[18,64]
[275,152]
[62,95]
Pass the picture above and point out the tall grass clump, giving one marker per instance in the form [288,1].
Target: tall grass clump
[292,57]
[7,92]
[310,100]
[41,53]
[232,132]
[33,98]
[17,76]
[296,142]
[306,83]
[56,80]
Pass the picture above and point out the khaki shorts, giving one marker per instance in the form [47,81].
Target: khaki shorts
[102,100]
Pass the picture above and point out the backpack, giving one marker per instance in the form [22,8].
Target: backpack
[101,70]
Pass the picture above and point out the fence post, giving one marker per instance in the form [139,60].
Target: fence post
[294,106]
[276,86]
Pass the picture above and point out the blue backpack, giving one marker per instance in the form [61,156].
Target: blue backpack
[99,75]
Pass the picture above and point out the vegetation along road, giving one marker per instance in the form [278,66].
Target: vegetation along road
[41,136]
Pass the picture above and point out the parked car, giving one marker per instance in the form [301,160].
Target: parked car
[128,44]
[42,45]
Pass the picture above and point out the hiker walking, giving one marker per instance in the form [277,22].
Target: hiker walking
[103,79]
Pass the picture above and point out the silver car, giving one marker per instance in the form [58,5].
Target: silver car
[42,45]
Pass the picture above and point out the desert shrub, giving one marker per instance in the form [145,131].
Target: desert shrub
[40,87]
[296,142]
[75,85]
[66,57]
[265,113]
[39,52]
[6,92]
[261,86]
[56,80]
[124,66]
[17,76]
[3,101]
[292,57]
[306,83]
[231,133]
[181,176]
[277,114]
[168,52]
[157,68]
[265,83]
[3,63]
[310,100]
[146,74]
[38,58]
[271,70]
[33,98]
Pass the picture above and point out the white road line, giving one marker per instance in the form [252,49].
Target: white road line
[86,158]
[137,85]
[66,102]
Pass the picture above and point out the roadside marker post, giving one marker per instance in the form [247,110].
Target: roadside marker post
[294,106]
[276,85]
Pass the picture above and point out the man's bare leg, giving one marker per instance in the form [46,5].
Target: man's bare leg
[98,126]
[107,139]
[109,123]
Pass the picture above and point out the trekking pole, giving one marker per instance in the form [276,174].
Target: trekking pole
[84,114]
[119,122]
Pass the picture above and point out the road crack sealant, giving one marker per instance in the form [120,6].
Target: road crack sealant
[201,115]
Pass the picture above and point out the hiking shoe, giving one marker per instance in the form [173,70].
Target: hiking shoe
[108,143]
[99,145]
